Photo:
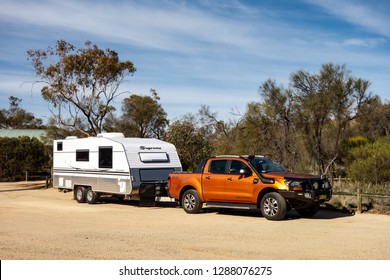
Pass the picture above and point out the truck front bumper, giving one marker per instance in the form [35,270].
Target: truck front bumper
[306,198]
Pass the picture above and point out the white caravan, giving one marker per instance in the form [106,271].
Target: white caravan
[129,168]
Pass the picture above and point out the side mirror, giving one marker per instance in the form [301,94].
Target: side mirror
[245,172]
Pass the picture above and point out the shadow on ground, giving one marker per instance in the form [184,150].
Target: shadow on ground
[323,213]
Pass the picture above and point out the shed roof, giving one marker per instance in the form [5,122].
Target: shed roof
[15,133]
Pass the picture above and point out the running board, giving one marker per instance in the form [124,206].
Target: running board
[231,205]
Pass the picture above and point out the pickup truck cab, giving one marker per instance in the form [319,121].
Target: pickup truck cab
[249,182]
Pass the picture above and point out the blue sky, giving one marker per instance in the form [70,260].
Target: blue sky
[214,53]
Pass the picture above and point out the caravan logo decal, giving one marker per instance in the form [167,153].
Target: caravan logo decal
[149,148]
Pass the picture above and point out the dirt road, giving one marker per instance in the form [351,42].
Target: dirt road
[45,224]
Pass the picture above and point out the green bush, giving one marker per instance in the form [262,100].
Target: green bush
[20,155]
[371,162]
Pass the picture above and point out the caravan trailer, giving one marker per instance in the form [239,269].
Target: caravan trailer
[110,164]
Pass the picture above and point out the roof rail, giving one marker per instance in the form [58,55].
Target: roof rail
[220,156]
[253,155]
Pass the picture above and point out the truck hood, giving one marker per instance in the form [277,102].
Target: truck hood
[291,175]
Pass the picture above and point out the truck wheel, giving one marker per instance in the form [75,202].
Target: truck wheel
[80,194]
[309,211]
[191,202]
[273,206]
[91,196]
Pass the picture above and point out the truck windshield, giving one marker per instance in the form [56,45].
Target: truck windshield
[263,165]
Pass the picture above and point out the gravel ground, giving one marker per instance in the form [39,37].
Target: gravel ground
[44,224]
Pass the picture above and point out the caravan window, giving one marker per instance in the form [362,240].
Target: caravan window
[82,155]
[105,157]
[154,157]
[59,146]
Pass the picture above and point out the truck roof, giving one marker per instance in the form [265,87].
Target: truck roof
[236,156]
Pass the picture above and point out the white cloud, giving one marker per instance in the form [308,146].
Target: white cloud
[363,42]
[16,83]
[372,15]
[173,26]
[209,52]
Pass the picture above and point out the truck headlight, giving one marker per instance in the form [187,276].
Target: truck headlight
[307,195]
[326,185]
[294,185]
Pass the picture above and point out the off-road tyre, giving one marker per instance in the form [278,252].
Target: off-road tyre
[91,196]
[80,194]
[191,202]
[273,206]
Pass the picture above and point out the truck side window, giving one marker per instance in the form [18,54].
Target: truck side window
[236,166]
[105,157]
[217,166]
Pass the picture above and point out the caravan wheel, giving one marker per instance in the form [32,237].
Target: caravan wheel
[91,196]
[80,194]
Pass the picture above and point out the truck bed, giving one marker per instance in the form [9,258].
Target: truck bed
[178,180]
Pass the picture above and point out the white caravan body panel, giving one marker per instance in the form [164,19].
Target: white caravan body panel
[112,164]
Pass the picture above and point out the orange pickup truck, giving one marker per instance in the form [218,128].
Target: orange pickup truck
[249,182]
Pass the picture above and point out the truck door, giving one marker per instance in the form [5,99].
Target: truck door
[239,187]
[214,180]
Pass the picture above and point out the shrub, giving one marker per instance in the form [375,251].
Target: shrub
[371,162]
[18,155]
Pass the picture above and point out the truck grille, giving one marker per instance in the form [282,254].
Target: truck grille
[315,185]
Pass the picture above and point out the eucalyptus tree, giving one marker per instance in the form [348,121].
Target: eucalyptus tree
[16,117]
[226,133]
[142,116]
[193,140]
[279,112]
[376,123]
[80,84]
[327,103]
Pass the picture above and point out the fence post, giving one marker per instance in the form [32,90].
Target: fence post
[359,200]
